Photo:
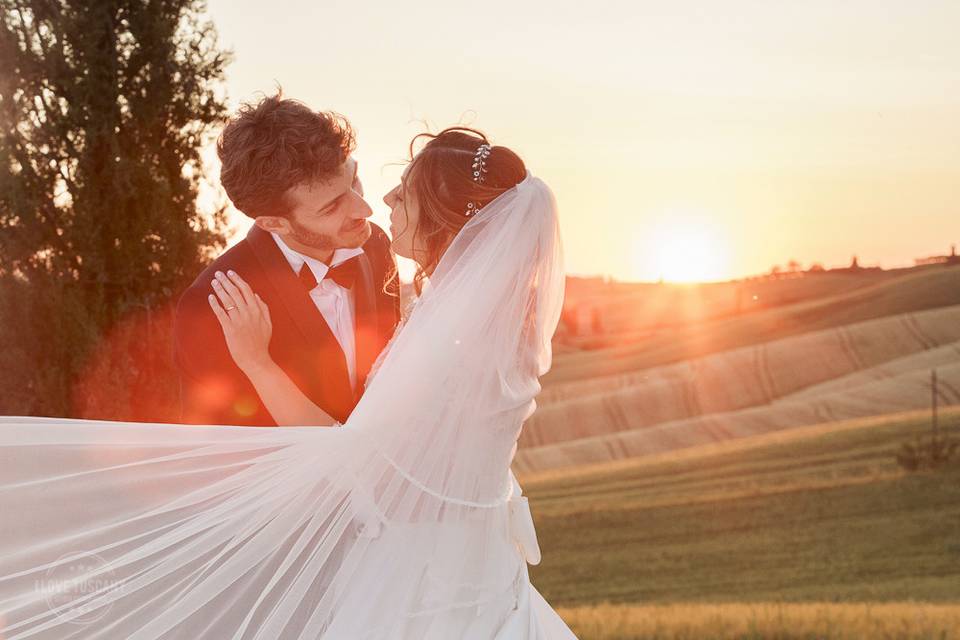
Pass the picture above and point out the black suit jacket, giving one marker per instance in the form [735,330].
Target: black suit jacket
[213,390]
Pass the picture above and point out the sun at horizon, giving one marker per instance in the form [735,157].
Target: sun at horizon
[682,250]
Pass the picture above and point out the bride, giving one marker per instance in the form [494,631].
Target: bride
[403,522]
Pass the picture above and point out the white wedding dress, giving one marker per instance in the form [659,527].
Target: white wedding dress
[405,522]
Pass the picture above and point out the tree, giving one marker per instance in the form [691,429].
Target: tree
[104,107]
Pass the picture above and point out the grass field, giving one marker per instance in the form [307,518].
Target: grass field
[812,514]
[761,621]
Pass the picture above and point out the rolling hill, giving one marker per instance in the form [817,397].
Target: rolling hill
[914,291]
[868,368]
[857,353]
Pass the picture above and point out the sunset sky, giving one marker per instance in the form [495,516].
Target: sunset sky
[689,140]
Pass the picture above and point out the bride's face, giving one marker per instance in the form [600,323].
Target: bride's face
[404,216]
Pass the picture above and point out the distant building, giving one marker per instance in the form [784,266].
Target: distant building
[953,258]
[853,268]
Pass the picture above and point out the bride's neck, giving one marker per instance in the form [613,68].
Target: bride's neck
[429,269]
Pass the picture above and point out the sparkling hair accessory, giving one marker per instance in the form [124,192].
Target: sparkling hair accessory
[479,168]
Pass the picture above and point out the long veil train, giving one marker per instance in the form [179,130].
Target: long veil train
[405,522]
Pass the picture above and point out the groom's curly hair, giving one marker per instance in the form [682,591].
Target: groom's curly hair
[276,144]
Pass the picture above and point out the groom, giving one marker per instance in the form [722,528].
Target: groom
[311,255]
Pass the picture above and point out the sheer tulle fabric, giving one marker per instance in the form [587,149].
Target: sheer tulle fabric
[396,524]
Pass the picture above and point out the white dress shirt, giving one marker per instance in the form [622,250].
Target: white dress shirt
[334,302]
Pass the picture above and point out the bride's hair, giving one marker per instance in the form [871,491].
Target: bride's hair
[441,179]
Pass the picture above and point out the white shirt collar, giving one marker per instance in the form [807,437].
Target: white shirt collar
[319,269]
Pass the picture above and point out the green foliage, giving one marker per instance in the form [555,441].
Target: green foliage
[104,107]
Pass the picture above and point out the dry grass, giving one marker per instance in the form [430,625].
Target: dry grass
[843,355]
[740,446]
[916,290]
[841,350]
[814,514]
[870,368]
[902,393]
[765,620]
[629,310]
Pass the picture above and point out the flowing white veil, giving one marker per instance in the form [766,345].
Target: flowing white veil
[395,525]
[465,368]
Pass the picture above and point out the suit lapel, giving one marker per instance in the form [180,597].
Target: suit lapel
[299,306]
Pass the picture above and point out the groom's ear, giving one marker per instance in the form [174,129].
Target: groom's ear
[275,224]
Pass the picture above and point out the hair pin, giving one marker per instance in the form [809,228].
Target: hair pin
[480,162]
[479,169]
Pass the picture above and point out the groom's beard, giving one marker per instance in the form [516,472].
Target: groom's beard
[322,241]
[312,239]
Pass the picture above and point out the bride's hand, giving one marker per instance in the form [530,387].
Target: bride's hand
[244,318]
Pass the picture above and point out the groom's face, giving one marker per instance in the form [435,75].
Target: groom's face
[324,216]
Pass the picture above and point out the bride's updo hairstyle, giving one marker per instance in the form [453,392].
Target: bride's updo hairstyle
[442,182]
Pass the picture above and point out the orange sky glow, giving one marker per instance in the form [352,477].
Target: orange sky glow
[686,141]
